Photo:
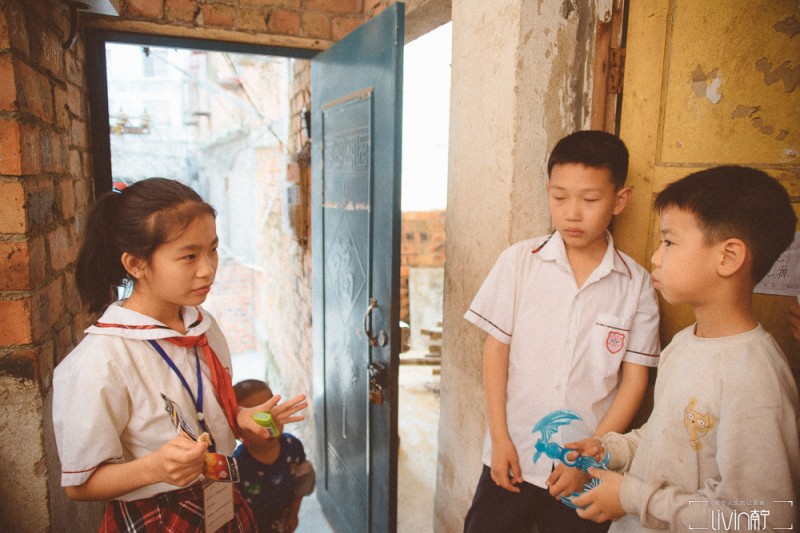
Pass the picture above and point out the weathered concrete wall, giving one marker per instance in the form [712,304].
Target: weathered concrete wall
[519,84]
[23,455]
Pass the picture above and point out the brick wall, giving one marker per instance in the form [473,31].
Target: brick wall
[422,245]
[302,21]
[233,299]
[46,186]
[45,192]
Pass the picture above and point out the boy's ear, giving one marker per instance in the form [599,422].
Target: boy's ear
[733,258]
[621,200]
[132,264]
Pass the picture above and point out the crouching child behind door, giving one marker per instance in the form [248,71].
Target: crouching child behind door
[275,475]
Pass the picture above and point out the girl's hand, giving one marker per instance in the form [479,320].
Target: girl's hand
[283,413]
[180,461]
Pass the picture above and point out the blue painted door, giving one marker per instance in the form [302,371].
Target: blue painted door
[356,131]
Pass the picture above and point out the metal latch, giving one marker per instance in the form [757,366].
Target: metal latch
[377,381]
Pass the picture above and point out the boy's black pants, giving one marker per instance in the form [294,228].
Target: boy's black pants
[496,510]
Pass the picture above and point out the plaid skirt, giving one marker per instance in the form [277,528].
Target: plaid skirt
[178,511]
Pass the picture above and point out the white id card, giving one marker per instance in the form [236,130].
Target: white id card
[218,504]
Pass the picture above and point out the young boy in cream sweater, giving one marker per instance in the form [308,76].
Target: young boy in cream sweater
[720,450]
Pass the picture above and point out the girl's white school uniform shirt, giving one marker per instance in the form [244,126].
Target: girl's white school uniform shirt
[566,343]
[107,399]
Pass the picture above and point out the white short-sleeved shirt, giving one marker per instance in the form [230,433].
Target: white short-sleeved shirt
[566,343]
[107,403]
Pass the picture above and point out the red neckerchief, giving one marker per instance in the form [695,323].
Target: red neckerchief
[220,377]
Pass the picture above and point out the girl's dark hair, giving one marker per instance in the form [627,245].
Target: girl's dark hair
[593,148]
[737,202]
[136,220]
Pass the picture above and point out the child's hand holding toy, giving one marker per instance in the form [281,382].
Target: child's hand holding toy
[282,414]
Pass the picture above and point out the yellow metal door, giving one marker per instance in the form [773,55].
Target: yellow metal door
[705,84]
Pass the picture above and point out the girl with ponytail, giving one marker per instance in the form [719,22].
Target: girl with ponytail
[152,358]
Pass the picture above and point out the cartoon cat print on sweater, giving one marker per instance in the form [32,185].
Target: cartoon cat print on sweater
[696,423]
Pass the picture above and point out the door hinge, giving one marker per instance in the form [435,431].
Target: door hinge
[616,70]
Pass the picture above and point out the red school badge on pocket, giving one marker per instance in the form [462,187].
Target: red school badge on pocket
[615,341]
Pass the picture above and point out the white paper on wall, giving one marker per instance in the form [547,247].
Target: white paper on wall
[784,278]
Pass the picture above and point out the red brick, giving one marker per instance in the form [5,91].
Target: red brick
[316,24]
[35,93]
[75,163]
[5,44]
[151,9]
[62,247]
[37,264]
[49,52]
[271,3]
[79,135]
[251,18]
[373,8]
[335,6]
[342,26]
[47,308]
[13,28]
[74,66]
[71,294]
[66,197]
[87,170]
[284,22]
[218,15]
[12,215]
[60,108]
[8,89]
[15,323]
[182,10]
[38,203]
[29,146]
[10,162]
[14,261]
[75,101]
[59,154]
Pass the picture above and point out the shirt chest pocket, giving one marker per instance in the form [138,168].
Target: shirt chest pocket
[610,335]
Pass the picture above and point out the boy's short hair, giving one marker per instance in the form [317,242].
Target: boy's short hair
[246,387]
[737,202]
[593,148]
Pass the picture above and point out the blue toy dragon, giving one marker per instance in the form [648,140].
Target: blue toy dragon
[547,427]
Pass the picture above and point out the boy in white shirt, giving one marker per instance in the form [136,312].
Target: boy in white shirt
[720,450]
[572,324]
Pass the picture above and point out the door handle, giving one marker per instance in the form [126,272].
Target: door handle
[373,303]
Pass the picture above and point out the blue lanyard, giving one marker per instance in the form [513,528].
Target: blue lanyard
[198,402]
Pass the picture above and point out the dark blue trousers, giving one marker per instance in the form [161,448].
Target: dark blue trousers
[497,510]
